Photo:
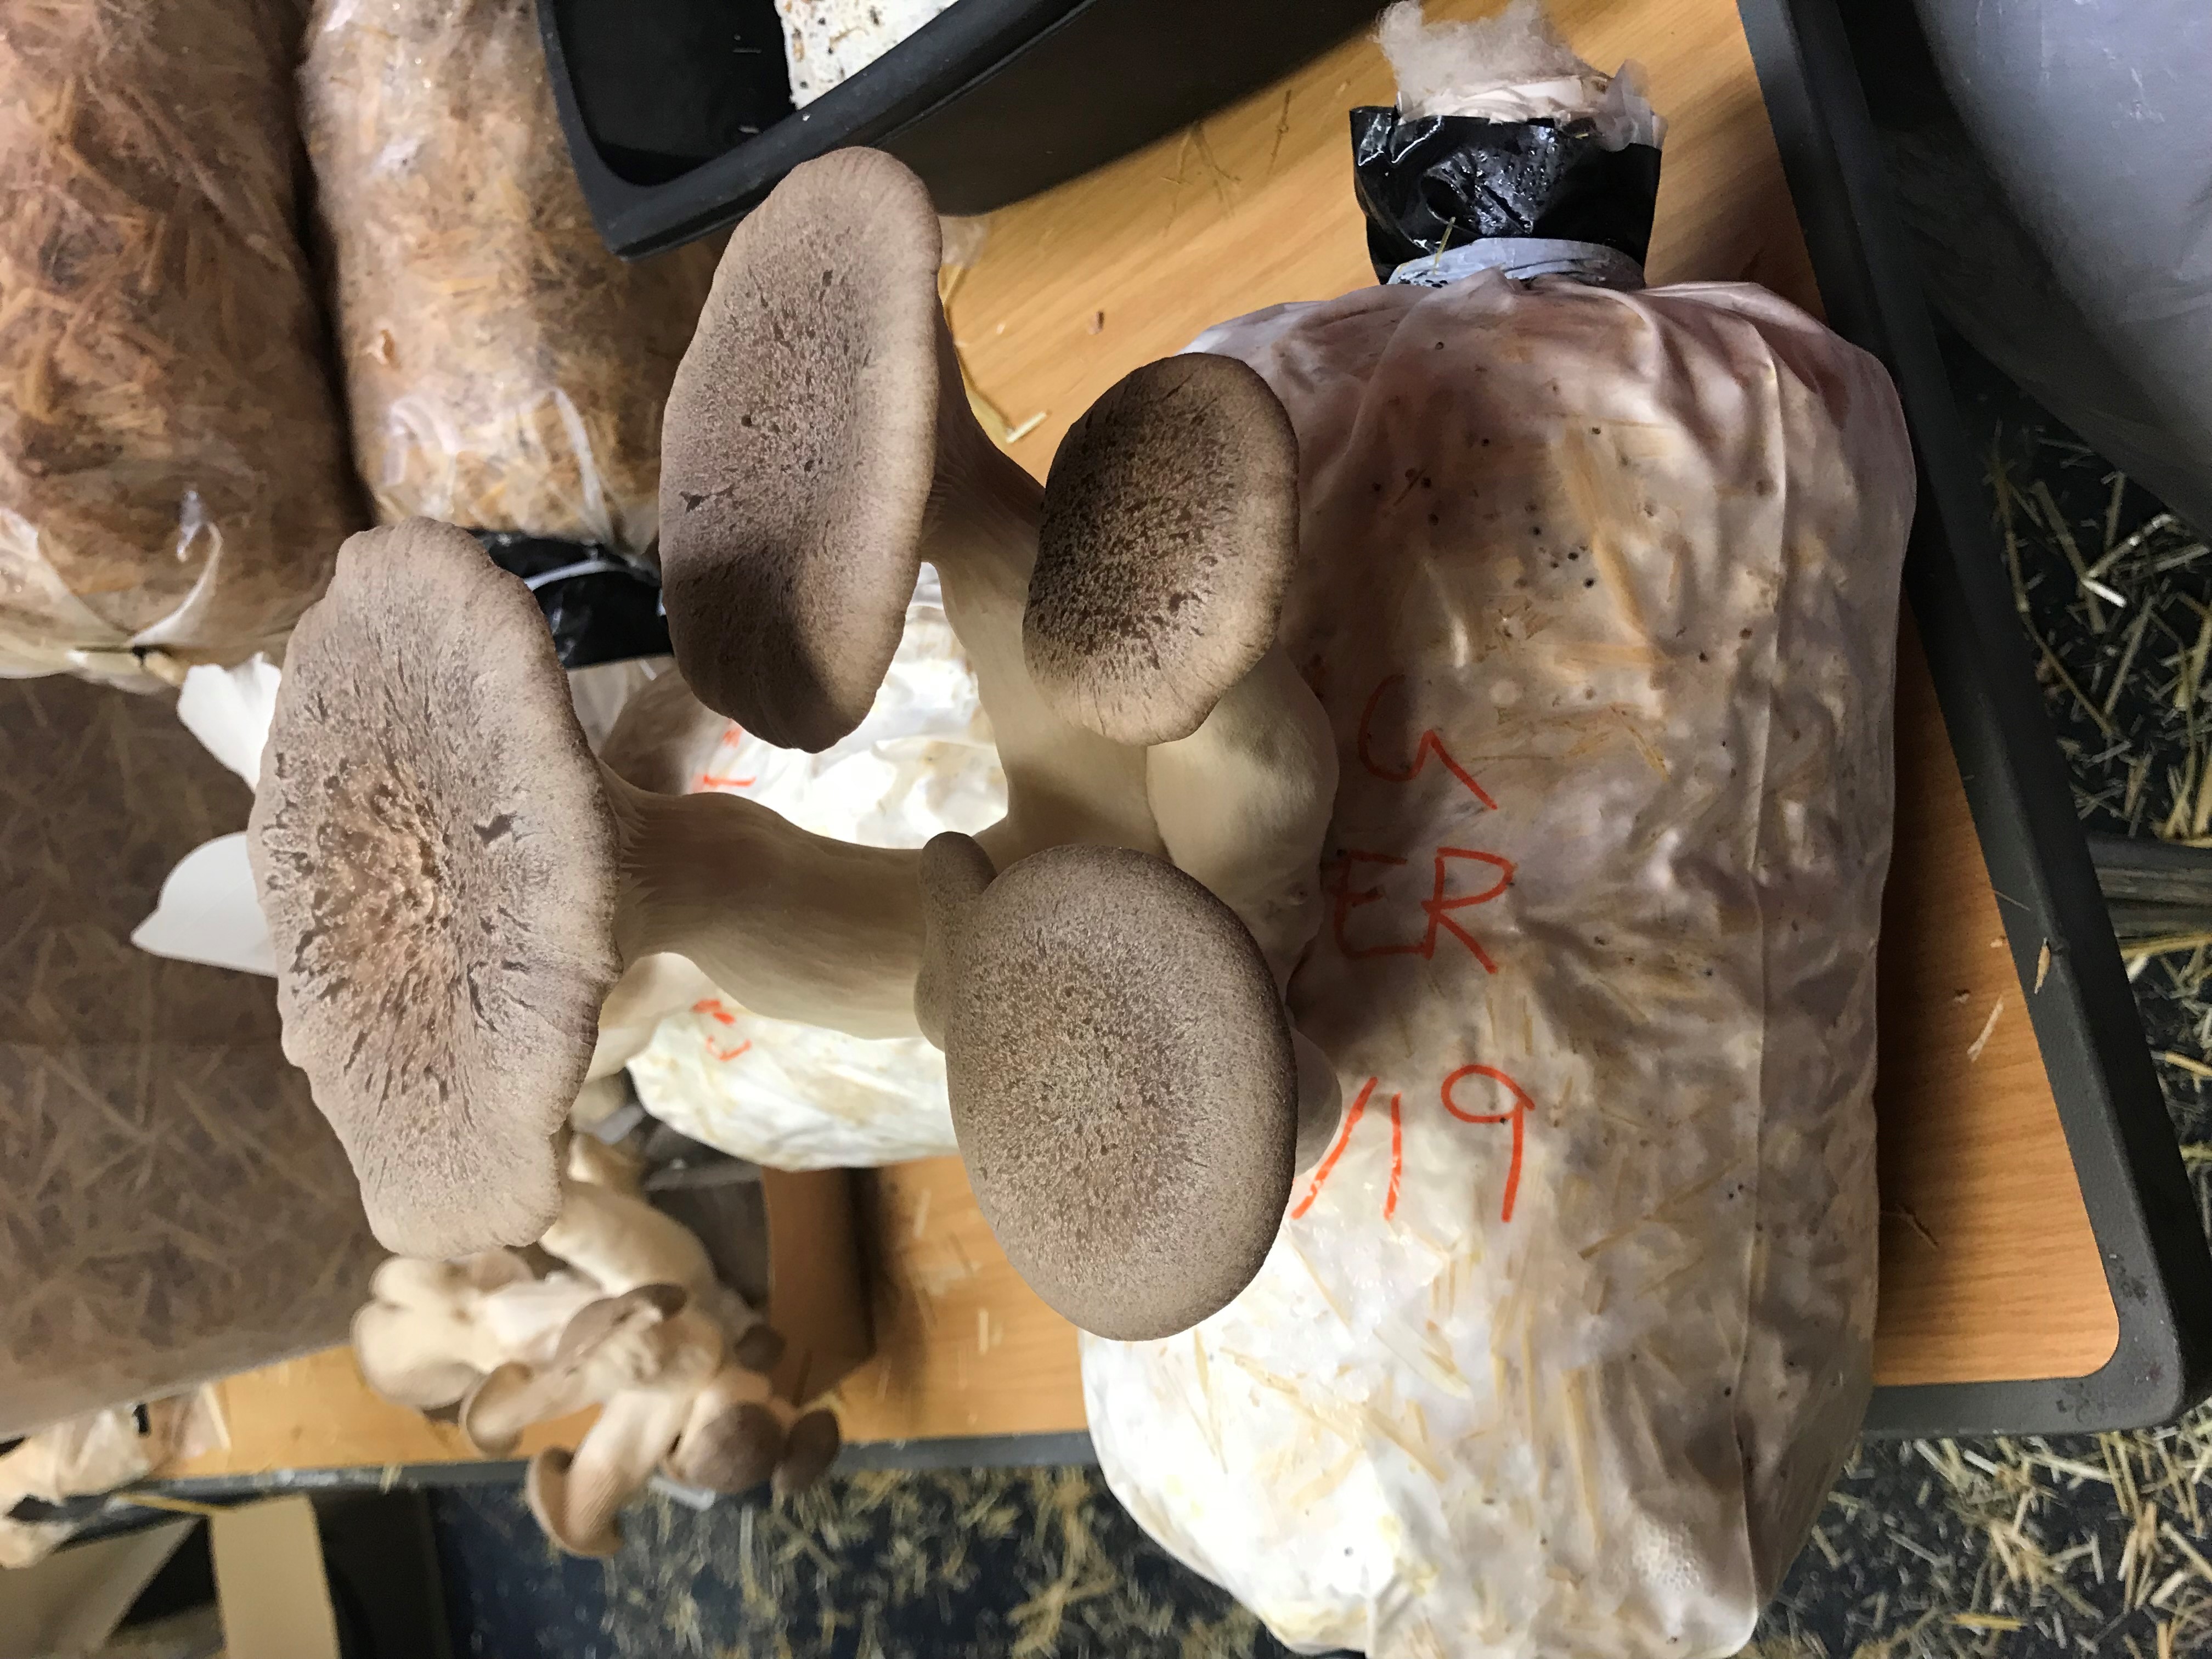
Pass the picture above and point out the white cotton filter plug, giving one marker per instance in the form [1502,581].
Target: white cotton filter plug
[1512,67]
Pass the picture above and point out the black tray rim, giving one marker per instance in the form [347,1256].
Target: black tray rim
[2140,1207]
[966,41]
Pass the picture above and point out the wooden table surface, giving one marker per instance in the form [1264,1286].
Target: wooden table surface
[1990,1269]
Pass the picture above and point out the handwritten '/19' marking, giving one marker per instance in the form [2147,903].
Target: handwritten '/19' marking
[1516,1113]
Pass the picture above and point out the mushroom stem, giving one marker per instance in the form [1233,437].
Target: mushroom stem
[1243,804]
[792,925]
[621,1243]
[576,1498]
[1064,782]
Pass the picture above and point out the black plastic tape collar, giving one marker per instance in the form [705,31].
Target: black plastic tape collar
[600,606]
[1430,182]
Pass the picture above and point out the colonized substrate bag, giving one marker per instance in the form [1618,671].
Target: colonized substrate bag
[505,371]
[172,472]
[1566,1333]
[172,1207]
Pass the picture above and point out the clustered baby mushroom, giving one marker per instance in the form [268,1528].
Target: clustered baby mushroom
[635,1324]
[431,1330]
[472,915]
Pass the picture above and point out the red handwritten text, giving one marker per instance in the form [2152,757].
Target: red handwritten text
[1351,1116]
[1438,907]
[1516,1115]
[1429,743]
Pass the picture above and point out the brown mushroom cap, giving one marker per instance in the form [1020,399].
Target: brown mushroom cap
[1170,531]
[731,1452]
[810,1447]
[437,863]
[798,449]
[1123,1087]
[760,1349]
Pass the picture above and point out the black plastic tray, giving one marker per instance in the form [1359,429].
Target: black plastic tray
[678,114]
[2139,1200]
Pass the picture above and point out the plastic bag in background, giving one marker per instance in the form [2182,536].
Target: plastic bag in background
[795,1096]
[505,371]
[172,1207]
[1566,1334]
[173,477]
[98,1452]
[603,608]
[1506,151]
[2094,116]
[2051,165]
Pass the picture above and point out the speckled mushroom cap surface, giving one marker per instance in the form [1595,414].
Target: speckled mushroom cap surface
[1122,1086]
[798,449]
[1168,534]
[437,863]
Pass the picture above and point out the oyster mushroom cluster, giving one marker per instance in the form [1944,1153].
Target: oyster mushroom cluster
[473,915]
[632,1321]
